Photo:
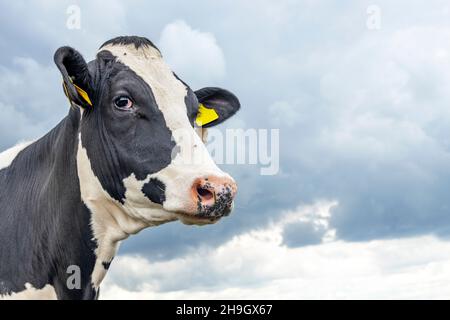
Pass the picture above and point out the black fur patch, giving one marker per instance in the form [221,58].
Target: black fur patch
[138,42]
[155,191]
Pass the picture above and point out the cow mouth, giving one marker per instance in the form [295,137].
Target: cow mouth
[204,216]
[190,219]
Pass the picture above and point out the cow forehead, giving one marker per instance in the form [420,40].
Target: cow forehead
[169,92]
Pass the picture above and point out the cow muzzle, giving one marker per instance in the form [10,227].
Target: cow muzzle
[213,196]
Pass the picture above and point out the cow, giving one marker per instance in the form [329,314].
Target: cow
[128,155]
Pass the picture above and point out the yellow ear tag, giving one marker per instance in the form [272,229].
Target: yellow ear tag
[80,91]
[83,94]
[205,115]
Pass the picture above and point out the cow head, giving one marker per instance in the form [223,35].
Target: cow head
[140,157]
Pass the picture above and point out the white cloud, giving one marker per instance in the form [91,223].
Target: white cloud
[194,55]
[256,265]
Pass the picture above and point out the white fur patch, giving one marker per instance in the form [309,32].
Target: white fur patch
[30,293]
[8,156]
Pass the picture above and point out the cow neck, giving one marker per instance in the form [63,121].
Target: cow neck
[64,221]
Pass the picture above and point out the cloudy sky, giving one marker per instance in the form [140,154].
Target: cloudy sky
[359,92]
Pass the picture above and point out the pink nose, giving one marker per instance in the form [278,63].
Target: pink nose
[214,195]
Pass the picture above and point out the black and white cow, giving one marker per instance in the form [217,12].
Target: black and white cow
[127,156]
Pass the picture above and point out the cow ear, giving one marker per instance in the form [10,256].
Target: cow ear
[215,106]
[76,79]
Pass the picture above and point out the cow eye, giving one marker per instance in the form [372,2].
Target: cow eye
[123,102]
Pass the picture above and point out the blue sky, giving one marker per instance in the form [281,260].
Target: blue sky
[364,139]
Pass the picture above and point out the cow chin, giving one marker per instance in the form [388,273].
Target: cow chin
[197,220]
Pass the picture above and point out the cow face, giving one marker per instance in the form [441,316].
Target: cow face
[139,153]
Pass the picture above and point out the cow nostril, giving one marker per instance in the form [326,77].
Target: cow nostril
[204,194]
